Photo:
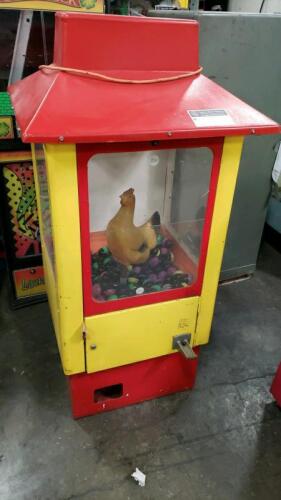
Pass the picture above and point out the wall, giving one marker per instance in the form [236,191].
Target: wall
[242,53]
[269,6]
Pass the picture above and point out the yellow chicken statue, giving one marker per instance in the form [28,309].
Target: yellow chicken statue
[130,244]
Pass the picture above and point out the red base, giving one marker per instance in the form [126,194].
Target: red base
[276,386]
[110,389]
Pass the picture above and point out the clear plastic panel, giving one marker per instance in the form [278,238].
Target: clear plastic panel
[45,203]
[147,211]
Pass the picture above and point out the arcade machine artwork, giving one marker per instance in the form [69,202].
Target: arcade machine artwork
[19,215]
[54,5]
[24,224]
[136,170]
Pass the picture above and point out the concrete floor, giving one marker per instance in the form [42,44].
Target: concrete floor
[222,441]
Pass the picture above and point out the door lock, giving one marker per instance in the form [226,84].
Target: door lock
[182,344]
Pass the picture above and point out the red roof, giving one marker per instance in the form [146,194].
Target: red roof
[51,105]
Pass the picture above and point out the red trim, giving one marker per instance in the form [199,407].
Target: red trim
[132,384]
[84,152]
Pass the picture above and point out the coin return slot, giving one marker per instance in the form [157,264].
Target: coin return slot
[110,392]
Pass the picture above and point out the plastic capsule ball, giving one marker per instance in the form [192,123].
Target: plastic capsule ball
[142,276]
[109,291]
[103,251]
[154,251]
[188,278]
[171,257]
[115,276]
[137,269]
[162,275]
[104,276]
[154,262]
[156,288]
[168,243]
[164,251]
[113,297]
[133,280]
[171,270]
[105,282]
[96,290]
[140,290]
[100,298]
[153,278]
[175,280]
[145,270]
[167,286]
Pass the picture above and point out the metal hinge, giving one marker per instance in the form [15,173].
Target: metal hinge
[84,331]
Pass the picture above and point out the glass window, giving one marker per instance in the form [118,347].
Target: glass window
[147,210]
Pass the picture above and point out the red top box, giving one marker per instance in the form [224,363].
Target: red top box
[57,106]
[104,42]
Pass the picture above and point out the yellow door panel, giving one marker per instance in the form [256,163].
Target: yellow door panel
[123,337]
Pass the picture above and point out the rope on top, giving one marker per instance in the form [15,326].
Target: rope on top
[100,76]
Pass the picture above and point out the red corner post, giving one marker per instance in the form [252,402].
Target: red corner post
[276,386]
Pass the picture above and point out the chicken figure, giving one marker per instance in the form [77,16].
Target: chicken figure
[130,244]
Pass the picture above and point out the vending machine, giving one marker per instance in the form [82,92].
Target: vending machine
[136,156]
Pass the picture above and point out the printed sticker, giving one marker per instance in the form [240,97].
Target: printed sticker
[210,117]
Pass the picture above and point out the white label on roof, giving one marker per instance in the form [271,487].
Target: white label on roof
[210,117]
